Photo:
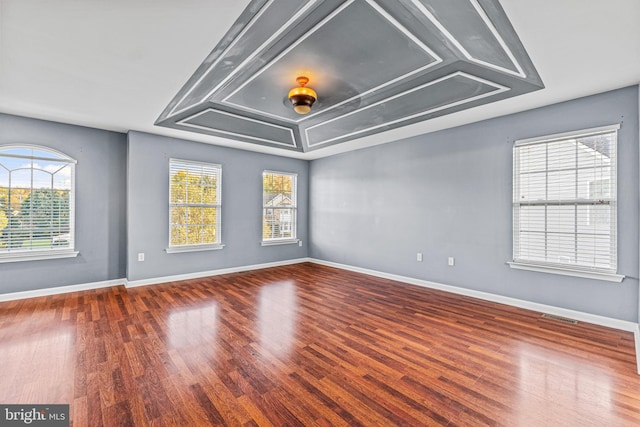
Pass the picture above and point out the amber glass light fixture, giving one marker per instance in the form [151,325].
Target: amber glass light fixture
[302,97]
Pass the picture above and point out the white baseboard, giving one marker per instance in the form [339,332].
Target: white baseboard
[135,283]
[564,312]
[60,290]
[636,335]
[178,277]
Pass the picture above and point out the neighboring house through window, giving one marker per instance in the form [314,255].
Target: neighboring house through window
[564,204]
[37,194]
[279,206]
[194,206]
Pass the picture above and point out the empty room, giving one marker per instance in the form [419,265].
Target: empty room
[319,213]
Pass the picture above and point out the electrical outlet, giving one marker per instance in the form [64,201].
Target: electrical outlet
[300,243]
[451,261]
[141,256]
[419,256]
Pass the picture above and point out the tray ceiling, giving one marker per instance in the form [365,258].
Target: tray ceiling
[376,65]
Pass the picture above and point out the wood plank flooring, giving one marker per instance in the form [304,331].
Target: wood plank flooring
[313,346]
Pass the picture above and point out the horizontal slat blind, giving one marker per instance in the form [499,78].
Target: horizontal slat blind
[36,200]
[564,200]
[194,203]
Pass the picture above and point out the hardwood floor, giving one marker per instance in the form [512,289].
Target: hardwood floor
[310,345]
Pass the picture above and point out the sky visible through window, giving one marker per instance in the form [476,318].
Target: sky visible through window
[43,164]
[35,197]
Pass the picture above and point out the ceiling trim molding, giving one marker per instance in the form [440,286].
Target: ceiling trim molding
[499,89]
[279,56]
[248,59]
[520,73]
[437,60]
[190,89]
[500,40]
[275,35]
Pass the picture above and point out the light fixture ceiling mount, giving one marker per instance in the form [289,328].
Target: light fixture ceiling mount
[302,97]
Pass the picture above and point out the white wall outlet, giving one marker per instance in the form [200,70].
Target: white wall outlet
[419,256]
[300,243]
[141,256]
[451,261]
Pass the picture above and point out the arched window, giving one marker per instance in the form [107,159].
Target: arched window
[36,203]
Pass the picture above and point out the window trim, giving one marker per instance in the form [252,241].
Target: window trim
[563,135]
[38,255]
[549,267]
[286,240]
[566,271]
[275,242]
[47,254]
[174,249]
[193,248]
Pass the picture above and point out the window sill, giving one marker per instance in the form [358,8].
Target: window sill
[596,275]
[37,255]
[279,242]
[194,248]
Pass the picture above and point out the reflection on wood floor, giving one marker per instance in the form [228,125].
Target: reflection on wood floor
[310,345]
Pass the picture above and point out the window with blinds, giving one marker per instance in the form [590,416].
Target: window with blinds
[279,207]
[194,204]
[564,200]
[36,203]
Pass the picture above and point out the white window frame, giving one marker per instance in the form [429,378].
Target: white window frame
[16,255]
[569,269]
[201,246]
[294,216]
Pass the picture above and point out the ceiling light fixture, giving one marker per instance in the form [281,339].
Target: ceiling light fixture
[302,97]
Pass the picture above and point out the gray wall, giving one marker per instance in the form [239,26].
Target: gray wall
[100,205]
[449,194]
[148,207]
[443,194]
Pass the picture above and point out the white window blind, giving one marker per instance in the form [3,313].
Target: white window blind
[564,200]
[279,206]
[36,203]
[194,203]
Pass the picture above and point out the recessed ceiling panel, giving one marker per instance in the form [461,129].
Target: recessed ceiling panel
[343,47]
[432,97]
[375,65]
[231,125]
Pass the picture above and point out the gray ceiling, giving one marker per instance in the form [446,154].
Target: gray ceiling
[376,65]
